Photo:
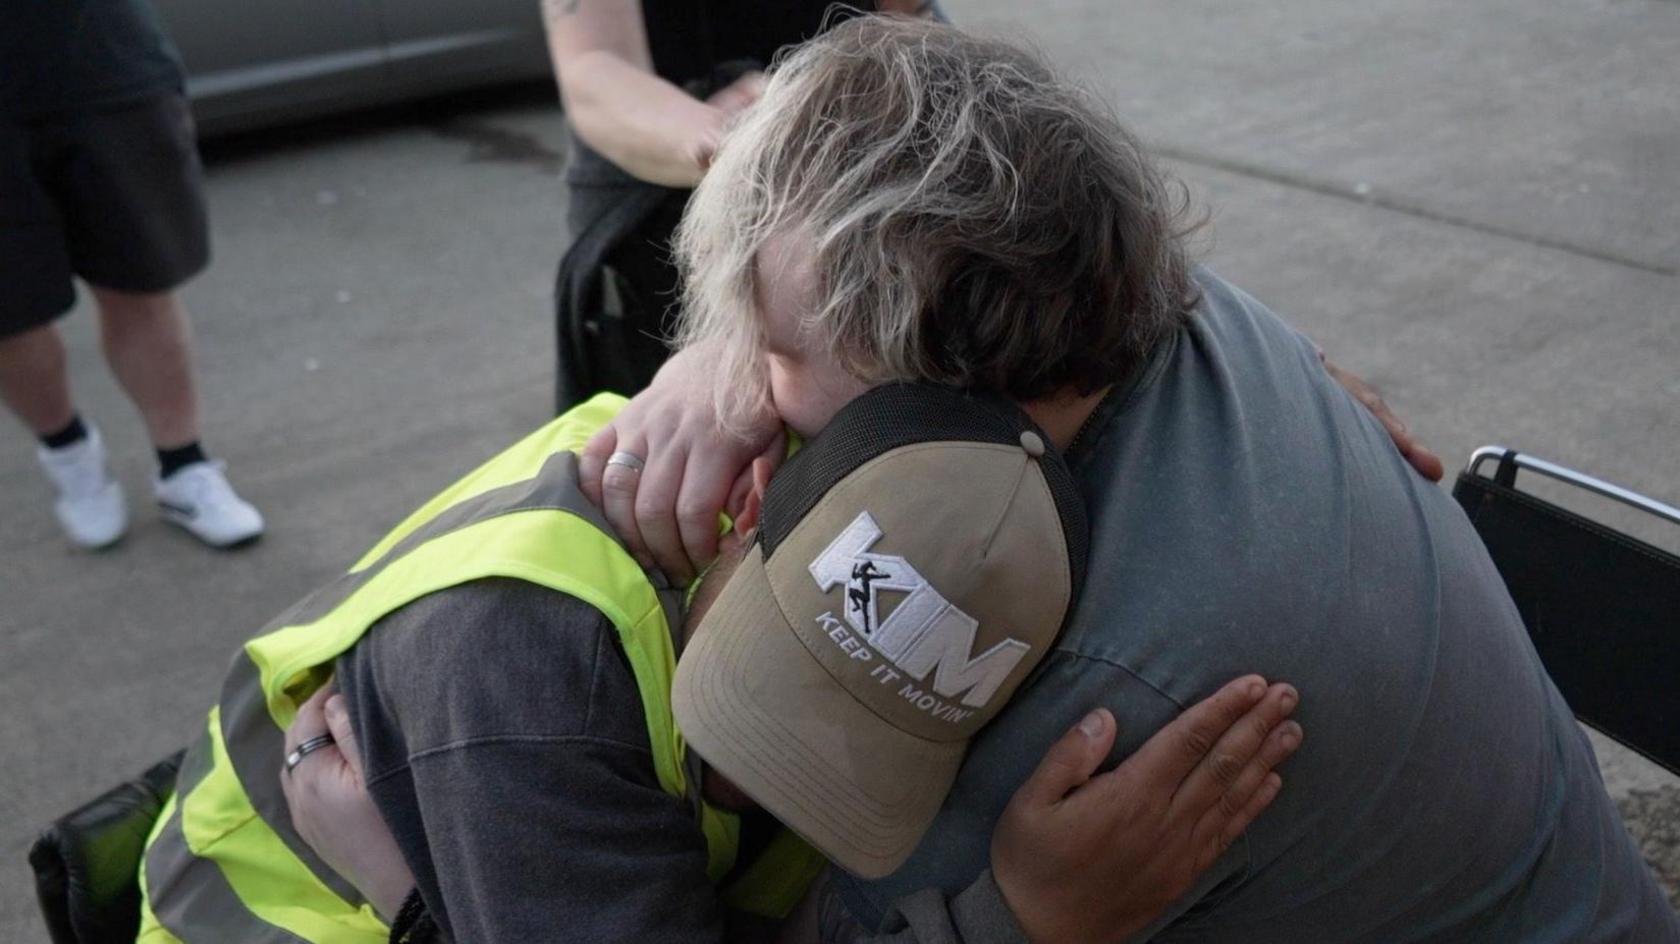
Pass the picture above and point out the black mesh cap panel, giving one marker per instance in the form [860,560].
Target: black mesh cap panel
[897,415]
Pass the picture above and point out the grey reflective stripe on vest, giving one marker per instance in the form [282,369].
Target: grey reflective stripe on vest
[554,487]
[195,765]
[255,745]
[188,894]
[192,900]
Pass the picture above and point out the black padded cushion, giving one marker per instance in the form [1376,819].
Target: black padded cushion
[1602,608]
[87,864]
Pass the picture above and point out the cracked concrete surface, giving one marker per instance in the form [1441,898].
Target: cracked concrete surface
[1654,819]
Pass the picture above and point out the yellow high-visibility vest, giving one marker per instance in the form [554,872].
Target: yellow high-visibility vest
[224,864]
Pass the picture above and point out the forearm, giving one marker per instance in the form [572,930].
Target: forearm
[648,127]
[386,890]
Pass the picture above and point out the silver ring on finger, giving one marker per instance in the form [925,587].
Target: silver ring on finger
[629,460]
[306,748]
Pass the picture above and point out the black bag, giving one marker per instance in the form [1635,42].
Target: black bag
[87,863]
[614,291]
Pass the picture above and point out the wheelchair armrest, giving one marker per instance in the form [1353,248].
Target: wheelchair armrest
[87,863]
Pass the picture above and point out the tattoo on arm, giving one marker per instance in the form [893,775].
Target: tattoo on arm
[561,7]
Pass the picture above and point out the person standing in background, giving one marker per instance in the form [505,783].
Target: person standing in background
[100,179]
[649,88]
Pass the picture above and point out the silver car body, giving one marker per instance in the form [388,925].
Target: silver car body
[256,62]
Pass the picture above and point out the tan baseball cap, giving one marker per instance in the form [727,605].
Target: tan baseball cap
[912,566]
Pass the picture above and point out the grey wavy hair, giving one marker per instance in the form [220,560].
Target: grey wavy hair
[974,220]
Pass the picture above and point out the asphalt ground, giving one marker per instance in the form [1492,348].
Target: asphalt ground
[1475,206]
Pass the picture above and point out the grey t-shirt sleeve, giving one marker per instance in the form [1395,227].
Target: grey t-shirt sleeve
[505,746]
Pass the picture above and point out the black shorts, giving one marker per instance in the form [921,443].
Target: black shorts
[114,195]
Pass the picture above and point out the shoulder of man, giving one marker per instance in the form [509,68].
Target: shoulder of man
[496,658]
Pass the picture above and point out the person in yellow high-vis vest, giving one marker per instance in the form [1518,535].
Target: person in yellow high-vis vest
[507,669]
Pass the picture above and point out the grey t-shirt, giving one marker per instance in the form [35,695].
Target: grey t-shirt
[1248,516]
[505,745]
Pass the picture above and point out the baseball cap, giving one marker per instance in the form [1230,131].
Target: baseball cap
[912,565]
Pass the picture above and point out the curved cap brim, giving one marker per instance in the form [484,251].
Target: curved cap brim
[763,712]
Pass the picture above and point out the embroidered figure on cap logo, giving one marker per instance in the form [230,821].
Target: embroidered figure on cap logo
[925,633]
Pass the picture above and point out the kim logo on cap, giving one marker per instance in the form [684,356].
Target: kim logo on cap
[925,634]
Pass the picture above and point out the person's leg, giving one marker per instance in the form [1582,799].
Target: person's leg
[35,277]
[138,231]
[148,343]
[35,386]
[35,291]
[34,380]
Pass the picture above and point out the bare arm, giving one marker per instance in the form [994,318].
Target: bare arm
[649,127]
[906,7]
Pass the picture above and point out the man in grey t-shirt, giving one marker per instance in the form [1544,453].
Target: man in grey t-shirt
[1246,513]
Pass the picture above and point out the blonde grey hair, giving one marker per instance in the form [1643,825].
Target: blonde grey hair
[973,220]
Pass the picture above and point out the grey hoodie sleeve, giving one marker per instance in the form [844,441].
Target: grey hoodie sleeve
[976,915]
[504,743]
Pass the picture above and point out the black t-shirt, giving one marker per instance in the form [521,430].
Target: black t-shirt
[68,55]
[688,37]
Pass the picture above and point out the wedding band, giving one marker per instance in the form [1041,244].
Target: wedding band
[629,460]
[306,748]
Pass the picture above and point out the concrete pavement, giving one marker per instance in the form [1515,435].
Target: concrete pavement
[1474,206]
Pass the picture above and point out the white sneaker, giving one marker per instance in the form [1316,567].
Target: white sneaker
[90,503]
[198,498]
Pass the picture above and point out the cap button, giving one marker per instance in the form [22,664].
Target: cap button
[1032,444]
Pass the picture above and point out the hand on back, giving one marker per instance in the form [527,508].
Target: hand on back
[1427,463]
[1097,857]
[327,798]
[667,511]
